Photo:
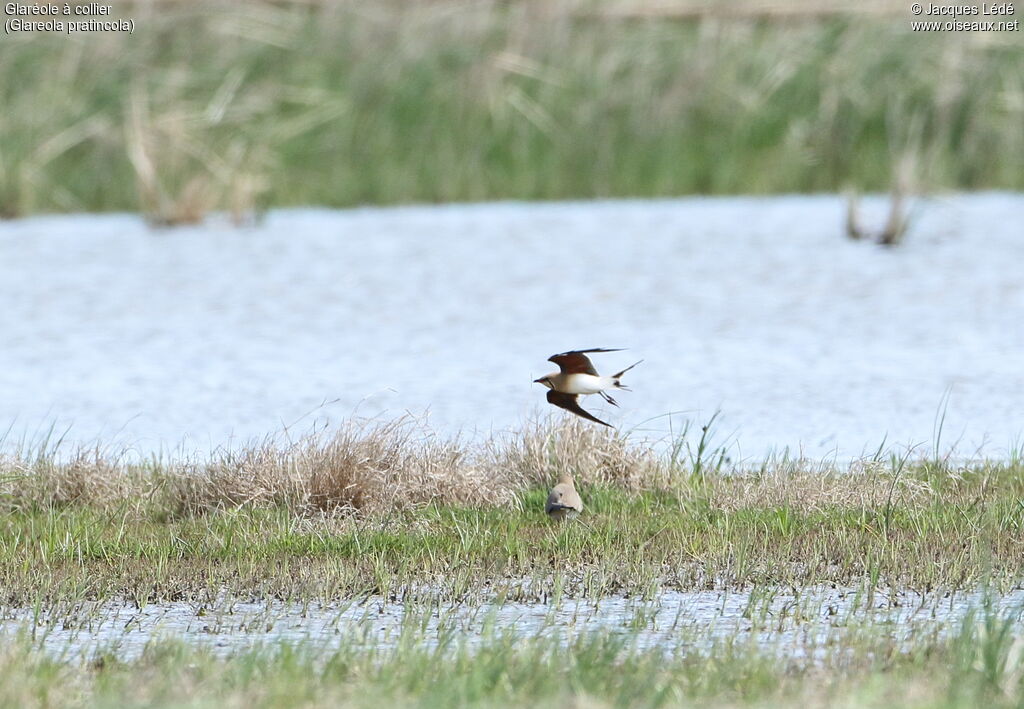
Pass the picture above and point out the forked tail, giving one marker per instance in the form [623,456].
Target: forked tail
[617,375]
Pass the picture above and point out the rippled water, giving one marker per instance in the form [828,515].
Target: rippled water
[759,308]
[785,620]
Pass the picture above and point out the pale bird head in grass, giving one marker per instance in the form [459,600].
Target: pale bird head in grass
[564,502]
[577,377]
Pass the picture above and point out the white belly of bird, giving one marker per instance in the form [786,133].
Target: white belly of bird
[582,383]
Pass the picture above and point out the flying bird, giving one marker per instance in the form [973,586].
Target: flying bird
[577,376]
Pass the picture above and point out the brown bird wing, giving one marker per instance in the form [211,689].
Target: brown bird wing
[569,403]
[576,361]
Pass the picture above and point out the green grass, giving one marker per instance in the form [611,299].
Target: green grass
[650,523]
[232,106]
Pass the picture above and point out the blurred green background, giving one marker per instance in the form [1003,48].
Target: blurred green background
[244,105]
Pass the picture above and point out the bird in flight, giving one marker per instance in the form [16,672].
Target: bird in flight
[577,376]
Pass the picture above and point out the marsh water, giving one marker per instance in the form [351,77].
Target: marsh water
[189,339]
[784,620]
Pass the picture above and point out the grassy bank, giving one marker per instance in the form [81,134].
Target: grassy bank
[979,664]
[387,509]
[233,106]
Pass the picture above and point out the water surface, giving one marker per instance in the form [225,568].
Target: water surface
[760,308]
[785,620]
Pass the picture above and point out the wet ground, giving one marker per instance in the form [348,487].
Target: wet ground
[789,621]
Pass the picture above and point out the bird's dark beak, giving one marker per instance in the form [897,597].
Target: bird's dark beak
[539,381]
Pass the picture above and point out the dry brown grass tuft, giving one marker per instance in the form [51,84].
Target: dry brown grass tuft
[364,465]
[89,477]
[537,454]
[368,466]
[377,466]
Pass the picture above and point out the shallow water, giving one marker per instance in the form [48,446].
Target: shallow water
[794,622]
[194,338]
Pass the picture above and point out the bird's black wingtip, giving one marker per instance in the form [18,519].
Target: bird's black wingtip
[586,351]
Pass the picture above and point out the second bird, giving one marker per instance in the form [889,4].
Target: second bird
[563,500]
[577,376]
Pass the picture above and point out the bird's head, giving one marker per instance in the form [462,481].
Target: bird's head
[546,381]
